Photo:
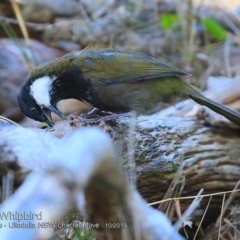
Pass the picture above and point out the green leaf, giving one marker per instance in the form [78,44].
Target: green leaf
[167,20]
[214,28]
[175,167]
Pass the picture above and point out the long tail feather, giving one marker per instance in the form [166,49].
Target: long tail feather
[228,113]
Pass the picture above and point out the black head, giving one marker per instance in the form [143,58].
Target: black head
[29,106]
[32,108]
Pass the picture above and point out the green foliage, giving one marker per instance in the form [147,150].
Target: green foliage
[214,28]
[168,20]
[175,167]
[9,31]
[176,192]
[82,234]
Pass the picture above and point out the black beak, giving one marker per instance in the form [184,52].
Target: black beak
[47,112]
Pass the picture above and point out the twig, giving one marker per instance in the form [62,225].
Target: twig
[221,215]
[228,201]
[192,197]
[202,218]
[227,47]
[20,20]
[189,211]
[4,119]
[36,26]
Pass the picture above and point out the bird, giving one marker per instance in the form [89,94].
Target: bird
[117,81]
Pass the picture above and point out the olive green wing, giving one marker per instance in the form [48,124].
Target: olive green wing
[111,66]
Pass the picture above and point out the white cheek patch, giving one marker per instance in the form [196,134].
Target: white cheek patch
[40,90]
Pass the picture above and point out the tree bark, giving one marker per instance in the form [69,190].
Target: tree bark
[210,154]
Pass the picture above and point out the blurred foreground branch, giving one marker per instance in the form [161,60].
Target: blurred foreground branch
[79,170]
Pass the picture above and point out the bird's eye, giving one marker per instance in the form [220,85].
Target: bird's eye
[33,109]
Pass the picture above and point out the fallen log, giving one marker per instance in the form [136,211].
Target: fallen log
[206,150]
